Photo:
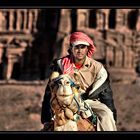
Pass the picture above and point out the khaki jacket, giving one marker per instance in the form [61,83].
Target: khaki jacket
[87,74]
[89,77]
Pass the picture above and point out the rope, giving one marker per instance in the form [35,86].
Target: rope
[78,106]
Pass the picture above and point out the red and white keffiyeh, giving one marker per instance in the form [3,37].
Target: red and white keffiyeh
[75,39]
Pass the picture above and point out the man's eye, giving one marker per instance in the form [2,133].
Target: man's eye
[80,46]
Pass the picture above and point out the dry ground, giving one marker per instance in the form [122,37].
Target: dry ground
[20,106]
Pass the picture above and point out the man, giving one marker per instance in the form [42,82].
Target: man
[90,73]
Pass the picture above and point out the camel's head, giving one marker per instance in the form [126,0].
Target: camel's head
[61,87]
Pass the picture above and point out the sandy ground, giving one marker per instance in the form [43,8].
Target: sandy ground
[20,106]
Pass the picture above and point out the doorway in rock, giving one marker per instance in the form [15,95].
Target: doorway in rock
[16,71]
[138,68]
[1,71]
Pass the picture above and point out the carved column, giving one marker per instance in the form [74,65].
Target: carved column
[82,18]
[1,52]
[2,21]
[65,21]
[11,20]
[8,67]
[103,17]
[119,19]
[138,22]
[19,20]
[35,20]
[110,56]
[12,55]
[118,58]
[30,20]
[100,20]
[25,20]
[106,19]
[128,58]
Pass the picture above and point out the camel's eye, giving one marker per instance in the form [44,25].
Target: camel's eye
[67,82]
[78,87]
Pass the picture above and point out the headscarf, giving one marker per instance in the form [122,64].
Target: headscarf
[78,37]
[75,39]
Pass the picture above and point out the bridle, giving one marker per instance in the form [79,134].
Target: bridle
[58,82]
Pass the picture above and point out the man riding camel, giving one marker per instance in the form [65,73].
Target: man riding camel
[91,74]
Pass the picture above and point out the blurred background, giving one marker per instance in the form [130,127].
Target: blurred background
[31,38]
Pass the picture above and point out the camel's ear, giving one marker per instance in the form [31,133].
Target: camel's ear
[54,75]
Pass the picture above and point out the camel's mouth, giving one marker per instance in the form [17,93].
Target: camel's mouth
[65,96]
[64,92]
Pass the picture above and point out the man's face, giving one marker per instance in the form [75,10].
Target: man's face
[79,52]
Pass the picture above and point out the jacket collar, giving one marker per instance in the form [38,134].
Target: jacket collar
[86,63]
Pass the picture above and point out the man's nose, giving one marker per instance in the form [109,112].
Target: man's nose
[79,48]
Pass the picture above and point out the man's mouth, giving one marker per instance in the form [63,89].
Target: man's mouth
[79,54]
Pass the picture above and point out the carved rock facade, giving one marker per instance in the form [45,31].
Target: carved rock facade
[31,38]
[17,28]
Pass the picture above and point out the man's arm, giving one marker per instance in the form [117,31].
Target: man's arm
[100,79]
[106,97]
[101,89]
